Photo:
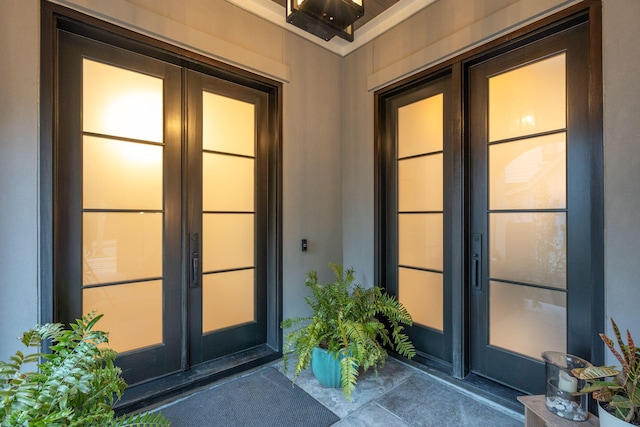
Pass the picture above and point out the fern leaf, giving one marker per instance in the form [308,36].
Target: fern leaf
[348,375]
[143,420]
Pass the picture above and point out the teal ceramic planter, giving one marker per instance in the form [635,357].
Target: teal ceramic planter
[326,368]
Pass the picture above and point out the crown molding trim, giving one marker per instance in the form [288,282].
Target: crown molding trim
[274,13]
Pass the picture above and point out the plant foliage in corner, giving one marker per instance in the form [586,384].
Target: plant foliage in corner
[620,389]
[76,384]
[346,322]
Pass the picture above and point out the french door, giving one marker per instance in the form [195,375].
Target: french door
[226,217]
[488,207]
[529,247]
[161,193]
[417,212]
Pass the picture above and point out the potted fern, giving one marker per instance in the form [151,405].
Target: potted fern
[617,391]
[349,329]
[75,383]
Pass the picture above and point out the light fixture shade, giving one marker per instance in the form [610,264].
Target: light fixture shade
[325,18]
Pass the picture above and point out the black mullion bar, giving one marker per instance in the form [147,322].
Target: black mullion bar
[230,212]
[121,282]
[123,138]
[529,136]
[222,153]
[530,285]
[229,270]
[549,210]
[122,210]
[419,212]
[429,270]
[415,156]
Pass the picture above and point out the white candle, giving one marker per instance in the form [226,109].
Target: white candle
[567,382]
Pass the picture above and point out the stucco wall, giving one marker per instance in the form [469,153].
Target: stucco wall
[312,169]
[621,65]
[19,75]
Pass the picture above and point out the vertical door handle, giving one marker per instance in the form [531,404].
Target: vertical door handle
[476,261]
[194,267]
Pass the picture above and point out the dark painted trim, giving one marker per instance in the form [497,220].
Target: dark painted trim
[459,299]
[275,292]
[47,129]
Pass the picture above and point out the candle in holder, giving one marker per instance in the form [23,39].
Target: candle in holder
[567,382]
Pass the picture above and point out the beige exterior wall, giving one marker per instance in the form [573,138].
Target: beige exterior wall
[312,169]
[327,127]
[621,65]
[19,204]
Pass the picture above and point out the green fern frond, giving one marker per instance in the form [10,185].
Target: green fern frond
[348,375]
[142,420]
[74,385]
[348,318]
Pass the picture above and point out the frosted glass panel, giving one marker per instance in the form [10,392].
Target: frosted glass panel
[528,174]
[121,175]
[530,99]
[132,313]
[227,183]
[529,247]
[120,246]
[420,184]
[421,293]
[420,240]
[228,241]
[519,309]
[227,299]
[227,125]
[119,102]
[420,127]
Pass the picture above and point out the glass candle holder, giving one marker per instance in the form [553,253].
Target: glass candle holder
[563,396]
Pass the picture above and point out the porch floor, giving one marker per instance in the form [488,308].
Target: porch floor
[402,396]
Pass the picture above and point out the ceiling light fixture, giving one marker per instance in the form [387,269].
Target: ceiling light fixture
[325,18]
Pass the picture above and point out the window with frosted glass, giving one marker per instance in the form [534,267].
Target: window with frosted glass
[420,210]
[228,217]
[528,208]
[122,218]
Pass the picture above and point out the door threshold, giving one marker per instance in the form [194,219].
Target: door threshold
[473,384]
[152,393]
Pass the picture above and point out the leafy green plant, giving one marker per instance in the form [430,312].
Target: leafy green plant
[346,322]
[620,389]
[75,384]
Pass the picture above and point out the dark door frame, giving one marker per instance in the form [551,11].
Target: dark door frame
[55,18]
[586,11]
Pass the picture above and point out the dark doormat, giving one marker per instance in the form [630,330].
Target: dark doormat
[262,398]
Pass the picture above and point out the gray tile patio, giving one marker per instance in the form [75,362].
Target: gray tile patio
[404,396]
